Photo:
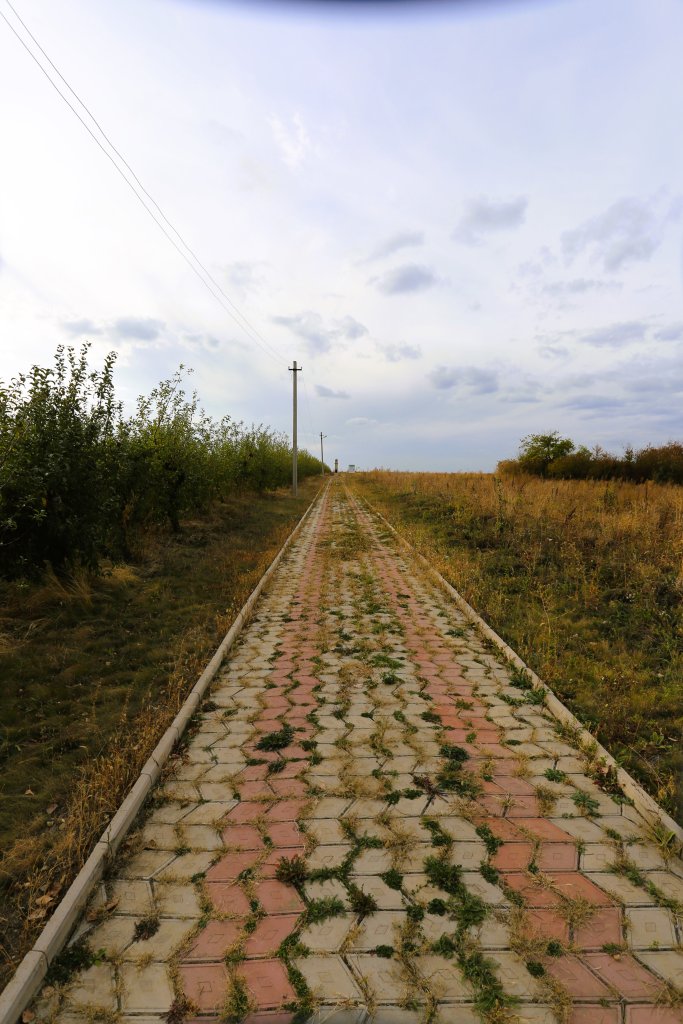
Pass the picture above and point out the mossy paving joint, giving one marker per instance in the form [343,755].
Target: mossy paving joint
[363,817]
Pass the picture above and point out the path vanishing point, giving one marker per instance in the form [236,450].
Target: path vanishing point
[374,820]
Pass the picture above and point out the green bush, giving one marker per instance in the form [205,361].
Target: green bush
[77,476]
[550,455]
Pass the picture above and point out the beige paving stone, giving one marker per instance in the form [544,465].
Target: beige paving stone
[172,932]
[326,831]
[93,987]
[383,977]
[668,883]
[327,936]
[328,977]
[668,964]
[327,856]
[365,809]
[132,896]
[332,888]
[171,811]
[186,866]
[444,977]
[146,864]
[597,857]
[492,934]
[434,926]
[379,929]
[457,827]
[329,807]
[623,890]
[213,811]
[477,885]
[371,862]
[413,860]
[386,898]
[514,976]
[580,828]
[650,927]
[145,989]
[112,935]
[177,900]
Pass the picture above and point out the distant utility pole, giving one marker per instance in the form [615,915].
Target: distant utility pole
[322,460]
[294,369]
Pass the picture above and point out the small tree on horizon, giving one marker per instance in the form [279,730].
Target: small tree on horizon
[537,451]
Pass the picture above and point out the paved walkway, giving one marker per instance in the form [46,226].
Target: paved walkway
[375,821]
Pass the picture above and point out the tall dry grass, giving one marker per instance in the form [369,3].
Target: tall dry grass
[583,578]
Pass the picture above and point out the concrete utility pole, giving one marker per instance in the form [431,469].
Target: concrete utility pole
[322,460]
[294,369]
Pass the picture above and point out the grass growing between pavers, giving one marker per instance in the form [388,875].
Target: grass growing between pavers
[582,579]
[94,668]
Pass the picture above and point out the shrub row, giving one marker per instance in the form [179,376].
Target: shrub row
[549,455]
[77,476]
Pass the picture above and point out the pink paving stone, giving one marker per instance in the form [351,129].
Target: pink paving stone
[574,885]
[548,924]
[214,940]
[231,865]
[269,933]
[228,898]
[270,864]
[486,736]
[285,810]
[502,829]
[595,1015]
[625,975]
[513,857]
[653,1015]
[577,979]
[297,752]
[242,837]
[495,805]
[277,898]
[205,984]
[252,790]
[288,787]
[247,811]
[544,829]
[250,750]
[534,895]
[558,857]
[509,784]
[292,769]
[254,773]
[269,1018]
[522,806]
[604,927]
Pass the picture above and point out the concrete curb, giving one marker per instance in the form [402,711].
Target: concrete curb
[643,802]
[30,973]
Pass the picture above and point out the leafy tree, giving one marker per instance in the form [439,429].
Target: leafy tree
[537,451]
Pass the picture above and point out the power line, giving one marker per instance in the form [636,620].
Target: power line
[225,302]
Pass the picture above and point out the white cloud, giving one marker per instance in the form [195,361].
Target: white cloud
[483,216]
[629,231]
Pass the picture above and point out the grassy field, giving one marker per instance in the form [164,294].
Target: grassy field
[583,579]
[93,669]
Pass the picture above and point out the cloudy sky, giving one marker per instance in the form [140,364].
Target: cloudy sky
[463,219]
